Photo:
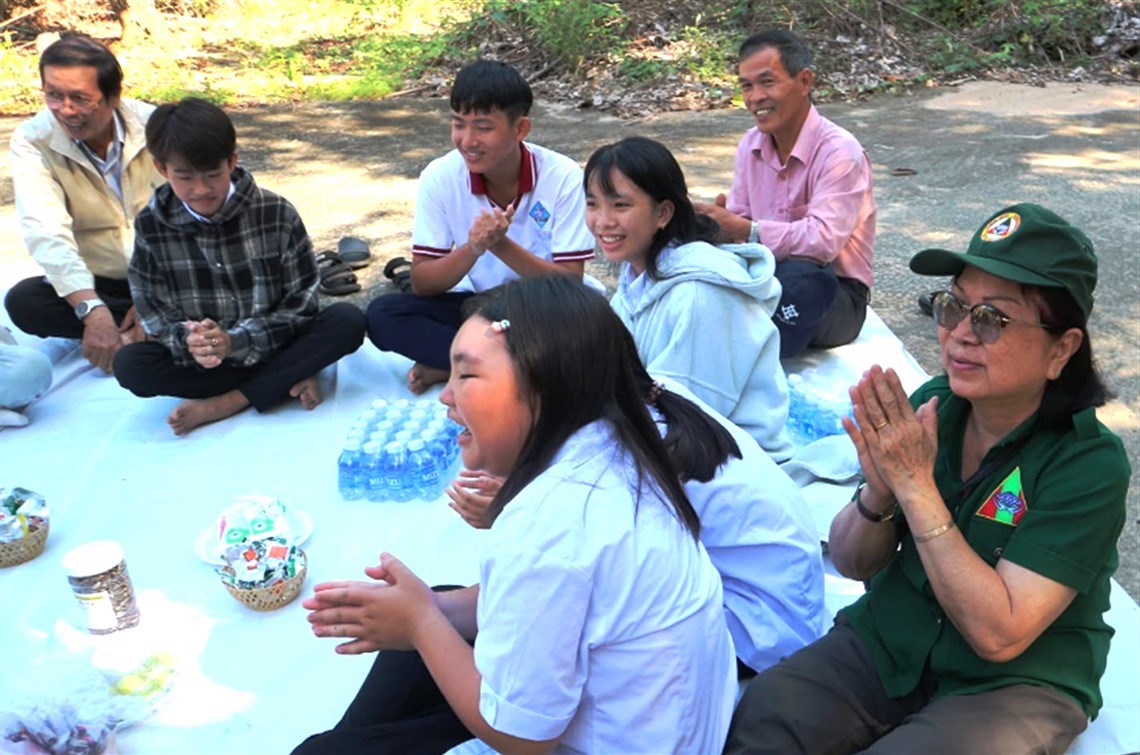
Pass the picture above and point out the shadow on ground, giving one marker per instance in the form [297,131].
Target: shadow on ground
[351,169]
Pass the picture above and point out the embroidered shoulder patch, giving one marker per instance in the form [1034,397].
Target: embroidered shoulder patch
[1007,503]
[539,214]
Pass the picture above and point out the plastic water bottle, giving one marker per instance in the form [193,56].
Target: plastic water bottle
[403,421]
[397,479]
[435,446]
[795,408]
[828,419]
[350,477]
[451,432]
[812,413]
[376,484]
[424,472]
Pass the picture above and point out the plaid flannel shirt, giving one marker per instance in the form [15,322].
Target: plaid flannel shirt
[251,270]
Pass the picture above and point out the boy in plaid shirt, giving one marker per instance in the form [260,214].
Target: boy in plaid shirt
[224,281]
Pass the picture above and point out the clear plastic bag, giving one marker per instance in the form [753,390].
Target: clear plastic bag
[63,706]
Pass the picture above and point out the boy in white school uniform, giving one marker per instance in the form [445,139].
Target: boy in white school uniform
[494,209]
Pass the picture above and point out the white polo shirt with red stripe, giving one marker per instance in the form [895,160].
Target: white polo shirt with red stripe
[549,222]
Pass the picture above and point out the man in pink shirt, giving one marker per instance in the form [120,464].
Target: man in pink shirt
[802,187]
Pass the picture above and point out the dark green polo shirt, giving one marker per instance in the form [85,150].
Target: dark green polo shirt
[1056,508]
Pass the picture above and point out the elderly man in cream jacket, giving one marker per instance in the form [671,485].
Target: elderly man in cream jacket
[81,173]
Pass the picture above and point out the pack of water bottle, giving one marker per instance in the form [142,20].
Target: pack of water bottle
[814,412]
[399,451]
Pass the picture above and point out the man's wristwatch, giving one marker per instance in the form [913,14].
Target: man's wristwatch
[86,306]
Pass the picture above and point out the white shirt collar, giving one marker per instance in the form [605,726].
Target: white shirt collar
[205,219]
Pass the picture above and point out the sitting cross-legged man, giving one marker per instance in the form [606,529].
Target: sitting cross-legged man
[801,186]
[494,209]
[225,283]
[80,175]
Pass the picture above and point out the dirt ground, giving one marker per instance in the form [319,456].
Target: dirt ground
[351,169]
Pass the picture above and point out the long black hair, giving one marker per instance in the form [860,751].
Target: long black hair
[566,345]
[651,167]
[696,443]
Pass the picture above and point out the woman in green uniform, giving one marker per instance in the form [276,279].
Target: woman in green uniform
[986,525]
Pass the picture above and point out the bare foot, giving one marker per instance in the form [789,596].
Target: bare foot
[421,377]
[308,392]
[196,412]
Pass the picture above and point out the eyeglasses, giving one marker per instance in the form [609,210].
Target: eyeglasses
[55,101]
[986,320]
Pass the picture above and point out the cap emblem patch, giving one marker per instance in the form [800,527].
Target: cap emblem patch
[1001,227]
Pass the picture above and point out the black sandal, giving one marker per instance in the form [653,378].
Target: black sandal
[354,252]
[337,278]
[399,271]
[395,267]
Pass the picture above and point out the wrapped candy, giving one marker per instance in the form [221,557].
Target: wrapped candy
[64,707]
[255,542]
[21,511]
[259,563]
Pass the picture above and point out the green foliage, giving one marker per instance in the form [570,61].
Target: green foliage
[570,32]
[19,78]
[195,8]
[704,51]
[1042,28]
[951,13]
[710,52]
[574,30]
[1017,31]
[273,50]
[644,70]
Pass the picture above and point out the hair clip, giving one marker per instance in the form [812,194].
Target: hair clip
[501,326]
[655,392]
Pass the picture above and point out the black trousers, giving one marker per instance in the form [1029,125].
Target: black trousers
[827,699]
[817,308]
[399,710]
[418,327]
[38,310]
[147,369]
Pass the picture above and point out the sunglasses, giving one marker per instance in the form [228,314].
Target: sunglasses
[986,320]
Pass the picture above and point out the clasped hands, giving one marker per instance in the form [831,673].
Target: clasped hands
[383,615]
[207,342]
[489,229]
[896,444]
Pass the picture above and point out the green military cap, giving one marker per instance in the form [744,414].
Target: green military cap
[1025,243]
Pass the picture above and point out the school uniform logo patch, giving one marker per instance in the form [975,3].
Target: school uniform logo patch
[1007,503]
[1001,227]
[539,214]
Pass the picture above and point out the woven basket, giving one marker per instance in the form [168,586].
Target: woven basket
[274,596]
[26,548]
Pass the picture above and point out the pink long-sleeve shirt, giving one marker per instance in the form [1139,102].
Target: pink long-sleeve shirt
[818,205]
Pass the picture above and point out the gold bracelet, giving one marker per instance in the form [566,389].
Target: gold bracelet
[926,536]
